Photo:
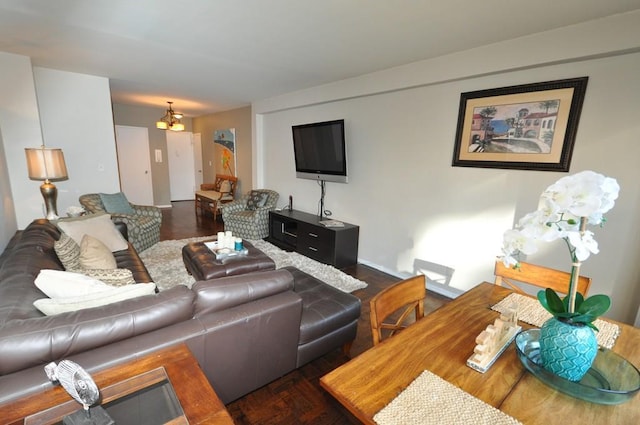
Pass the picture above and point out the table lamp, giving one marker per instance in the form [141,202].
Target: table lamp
[47,164]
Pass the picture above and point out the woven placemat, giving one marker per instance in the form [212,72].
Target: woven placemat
[430,400]
[530,311]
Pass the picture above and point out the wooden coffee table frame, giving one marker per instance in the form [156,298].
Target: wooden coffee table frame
[176,364]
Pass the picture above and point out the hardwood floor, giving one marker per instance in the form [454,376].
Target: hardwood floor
[297,397]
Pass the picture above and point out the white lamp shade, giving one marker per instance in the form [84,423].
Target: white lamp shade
[161,125]
[46,164]
[177,127]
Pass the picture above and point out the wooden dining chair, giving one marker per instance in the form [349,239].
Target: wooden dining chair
[540,276]
[406,296]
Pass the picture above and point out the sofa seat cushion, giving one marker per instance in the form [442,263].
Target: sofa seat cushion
[324,308]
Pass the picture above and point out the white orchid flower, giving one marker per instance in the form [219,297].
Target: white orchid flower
[584,244]
[562,205]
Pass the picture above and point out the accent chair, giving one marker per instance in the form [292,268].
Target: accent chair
[248,217]
[142,221]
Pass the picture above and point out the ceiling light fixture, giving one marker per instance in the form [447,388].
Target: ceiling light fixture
[170,120]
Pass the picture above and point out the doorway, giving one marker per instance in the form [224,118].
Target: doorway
[180,157]
[197,158]
[134,164]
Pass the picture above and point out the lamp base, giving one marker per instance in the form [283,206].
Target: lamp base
[50,195]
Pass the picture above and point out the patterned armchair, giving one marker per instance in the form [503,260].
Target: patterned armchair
[143,226]
[248,217]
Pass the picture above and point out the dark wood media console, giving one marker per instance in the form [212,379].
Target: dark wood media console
[303,233]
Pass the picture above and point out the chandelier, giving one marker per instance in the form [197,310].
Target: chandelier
[170,120]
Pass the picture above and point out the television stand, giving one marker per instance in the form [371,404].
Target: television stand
[303,233]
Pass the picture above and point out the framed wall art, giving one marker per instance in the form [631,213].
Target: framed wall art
[527,127]
[225,151]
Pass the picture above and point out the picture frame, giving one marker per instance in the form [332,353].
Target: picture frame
[524,127]
[224,142]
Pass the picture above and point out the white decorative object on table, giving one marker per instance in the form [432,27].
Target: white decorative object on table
[222,251]
[79,384]
[75,211]
[492,342]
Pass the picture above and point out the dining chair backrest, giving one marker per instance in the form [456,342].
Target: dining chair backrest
[404,297]
[540,276]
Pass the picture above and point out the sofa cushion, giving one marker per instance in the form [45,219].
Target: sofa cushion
[53,306]
[95,255]
[113,277]
[63,284]
[68,252]
[225,186]
[257,199]
[324,308]
[98,225]
[116,203]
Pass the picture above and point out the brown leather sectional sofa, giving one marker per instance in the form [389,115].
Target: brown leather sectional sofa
[245,331]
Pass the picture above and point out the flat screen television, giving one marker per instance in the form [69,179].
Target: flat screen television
[320,151]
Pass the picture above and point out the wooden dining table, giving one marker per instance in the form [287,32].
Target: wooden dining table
[442,342]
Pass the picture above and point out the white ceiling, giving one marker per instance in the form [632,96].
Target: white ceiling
[214,55]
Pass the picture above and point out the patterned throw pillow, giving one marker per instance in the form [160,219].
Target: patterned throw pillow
[112,277]
[68,251]
[256,200]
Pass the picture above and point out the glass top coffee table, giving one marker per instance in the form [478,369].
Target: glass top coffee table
[164,387]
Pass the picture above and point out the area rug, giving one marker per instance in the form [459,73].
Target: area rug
[164,262]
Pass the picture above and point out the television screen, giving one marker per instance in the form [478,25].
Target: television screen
[320,151]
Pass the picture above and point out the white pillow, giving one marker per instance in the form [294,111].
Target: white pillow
[97,225]
[62,284]
[51,306]
[95,255]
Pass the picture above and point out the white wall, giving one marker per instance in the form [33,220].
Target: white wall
[75,112]
[415,209]
[20,125]
[69,111]
[8,225]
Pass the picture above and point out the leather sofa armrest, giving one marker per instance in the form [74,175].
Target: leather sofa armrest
[122,228]
[227,292]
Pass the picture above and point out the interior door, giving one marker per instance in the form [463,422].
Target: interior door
[197,158]
[182,181]
[134,164]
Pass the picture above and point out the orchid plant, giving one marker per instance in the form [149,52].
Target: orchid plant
[565,209]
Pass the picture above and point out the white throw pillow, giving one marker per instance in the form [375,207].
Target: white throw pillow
[95,255]
[52,306]
[62,284]
[97,225]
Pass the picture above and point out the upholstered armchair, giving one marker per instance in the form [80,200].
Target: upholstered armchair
[142,221]
[248,217]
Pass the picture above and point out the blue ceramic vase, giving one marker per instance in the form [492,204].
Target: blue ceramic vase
[567,350]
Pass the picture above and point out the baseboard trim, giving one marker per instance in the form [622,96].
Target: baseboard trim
[432,286]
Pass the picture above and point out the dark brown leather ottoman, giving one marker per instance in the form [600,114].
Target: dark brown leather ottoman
[329,317]
[202,264]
